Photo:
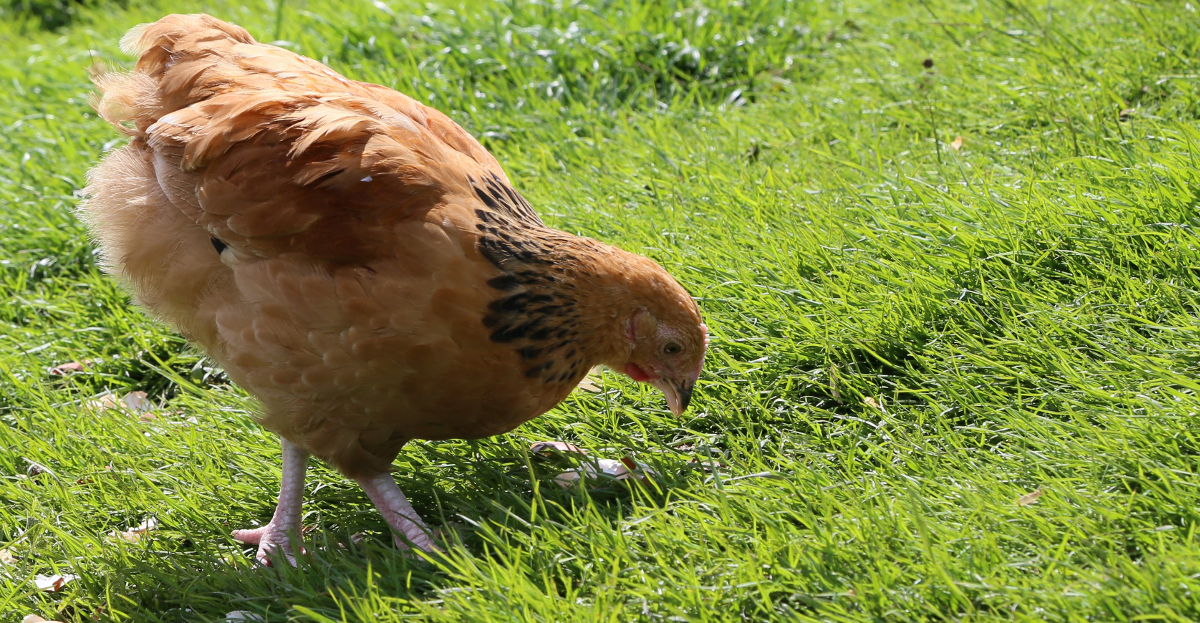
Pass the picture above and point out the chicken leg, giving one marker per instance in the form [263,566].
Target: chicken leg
[276,535]
[398,512]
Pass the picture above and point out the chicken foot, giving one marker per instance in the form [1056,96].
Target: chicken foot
[276,535]
[398,512]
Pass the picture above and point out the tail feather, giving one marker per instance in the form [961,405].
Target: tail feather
[156,42]
[133,101]
[128,101]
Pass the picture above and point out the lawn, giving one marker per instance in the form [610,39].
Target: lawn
[948,253]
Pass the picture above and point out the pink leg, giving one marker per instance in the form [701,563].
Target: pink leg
[398,513]
[276,535]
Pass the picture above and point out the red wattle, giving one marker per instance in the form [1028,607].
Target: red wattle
[636,373]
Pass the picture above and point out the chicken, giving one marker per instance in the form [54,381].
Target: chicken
[357,262]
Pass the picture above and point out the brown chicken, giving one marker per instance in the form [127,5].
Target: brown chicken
[357,262]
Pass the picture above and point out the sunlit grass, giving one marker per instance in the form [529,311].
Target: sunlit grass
[947,252]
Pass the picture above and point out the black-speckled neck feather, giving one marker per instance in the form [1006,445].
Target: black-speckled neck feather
[537,305]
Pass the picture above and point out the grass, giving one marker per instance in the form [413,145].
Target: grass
[948,252]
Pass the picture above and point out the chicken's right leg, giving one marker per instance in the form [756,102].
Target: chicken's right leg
[398,512]
[276,535]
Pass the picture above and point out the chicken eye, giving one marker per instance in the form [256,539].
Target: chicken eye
[672,348]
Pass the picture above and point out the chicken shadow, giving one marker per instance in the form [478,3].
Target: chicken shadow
[198,573]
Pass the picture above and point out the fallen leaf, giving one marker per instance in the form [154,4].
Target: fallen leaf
[52,583]
[6,557]
[641,471]
[568,478]
[33,618]
[957,143]
[242,615]
[138,402]
[875,404]
[105,402]
[618,470]
[134,402]
[1029,498]
[64,369]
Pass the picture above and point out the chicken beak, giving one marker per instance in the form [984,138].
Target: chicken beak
[679,395]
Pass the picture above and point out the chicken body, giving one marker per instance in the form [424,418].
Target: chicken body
[356,261]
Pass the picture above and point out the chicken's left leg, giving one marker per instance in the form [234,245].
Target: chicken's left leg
[285,523]
[398,513]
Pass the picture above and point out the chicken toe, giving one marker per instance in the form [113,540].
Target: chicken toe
[276,535]
[271,540]
[398,513]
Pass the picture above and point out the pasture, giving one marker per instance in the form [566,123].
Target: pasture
[947,251]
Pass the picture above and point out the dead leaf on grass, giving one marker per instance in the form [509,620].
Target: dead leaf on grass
[138,402]
[618,470]
[33,618]
[957,143]
[1029,498]
[72,367]
[874,404]
[53,583]
[103,403]
[6,557]
[134,402]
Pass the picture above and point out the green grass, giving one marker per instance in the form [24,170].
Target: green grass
[907,337]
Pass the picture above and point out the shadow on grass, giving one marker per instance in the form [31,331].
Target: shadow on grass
[198,573]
